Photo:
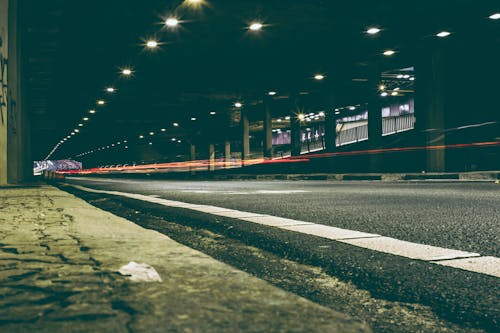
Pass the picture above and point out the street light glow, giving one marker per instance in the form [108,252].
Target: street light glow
[127,71]
[389,52]
[172,22]
[495,16]
[255,26]
[381,87]
[443,34]
[373,31]
[301,116]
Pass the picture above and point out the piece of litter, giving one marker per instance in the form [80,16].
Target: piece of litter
[140,272]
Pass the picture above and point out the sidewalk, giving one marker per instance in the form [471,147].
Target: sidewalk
[59,262]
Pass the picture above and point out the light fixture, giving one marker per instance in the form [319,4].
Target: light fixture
[381,87]
[193,118]
[100,102]
[238,104]
[352,108]
[80,125]
[151,133]
[319,77]
[321,114]
[85,118]
[212,113]
[172,22]
[384,94]
[76,130]
[271,93]
[255,26]
[150,143]
[495,16]
[443,34]
[152,44]
[287,118]
[110,89]
[388,53]
[279,120]
[301,116]
[373,31]
[396,89]
[174,139]
[126,71]
[163,129]
[141,136]
[175,124]
[394,93]
[412,78]
[92,112]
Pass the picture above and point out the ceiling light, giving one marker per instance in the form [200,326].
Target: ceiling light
[110,89]
[238,104]
[384,94]
[163,129]
[172,22]
[373,31]
[381,87]
[100,102]
[495,16]
[175,124]
[301,116]
[352,108]
[389,52]
[91,111]
[126,71]
[141,136]
[85,118]
[411,78]
[319,77]
[152,44]
[394,93]
[193,118]
[80,125]
[443,34]
[212,113]
[256,26]
[76,130]
[151,133]
[271,93]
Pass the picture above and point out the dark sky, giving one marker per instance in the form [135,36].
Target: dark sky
[212,59]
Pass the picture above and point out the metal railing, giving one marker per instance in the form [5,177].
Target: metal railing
[393,125]
[352,135]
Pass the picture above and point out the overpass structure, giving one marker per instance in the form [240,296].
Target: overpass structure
[128,83]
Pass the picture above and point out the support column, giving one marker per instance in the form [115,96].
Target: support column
[192,156]
[430,105]
[227,153]
[16,165]
[268,128]
[245,137]
[374,110]
[296,145]
[211,154]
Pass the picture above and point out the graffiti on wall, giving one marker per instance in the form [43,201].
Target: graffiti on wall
[3,80]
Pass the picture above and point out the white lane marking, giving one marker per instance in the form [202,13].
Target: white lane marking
[483,265]
[245,192]
[274,221]
[408,249]
[433,254]
[328,232]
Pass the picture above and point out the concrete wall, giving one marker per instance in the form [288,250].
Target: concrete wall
[16,164]
[4,28]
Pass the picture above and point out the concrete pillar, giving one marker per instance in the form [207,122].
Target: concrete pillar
[374,110]
[192,154]
[227,153]
[16,165]
[245,136]
[268,128]
[329,96]
[430,105]
[296,145]
[211,157]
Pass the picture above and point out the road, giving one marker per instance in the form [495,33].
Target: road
[453,215]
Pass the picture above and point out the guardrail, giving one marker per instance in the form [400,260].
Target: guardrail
[393,125]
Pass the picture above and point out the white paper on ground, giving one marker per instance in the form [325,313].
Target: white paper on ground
[140,272]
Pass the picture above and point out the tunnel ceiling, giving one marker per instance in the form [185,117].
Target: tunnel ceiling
[73,50]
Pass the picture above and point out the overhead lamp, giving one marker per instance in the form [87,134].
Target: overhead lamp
[85,118]
[110,89]
[163,129]
[255,26]
[141,136]
[443,34]
[412,78]
[80,125]
[301,116]
[495,16]
[352,108]
[271,93]
[176,124]
[389,53]
[319,77]
[150,143]
[238,104]
[76,130]
[384,94]
[151,44]
[151,133]
[172,22]
[100,102]
[381,87]
[174,139]
[193,118]
[213,113]
[321,114]
[373,31]
[126,71]
[92,112]
[394,93]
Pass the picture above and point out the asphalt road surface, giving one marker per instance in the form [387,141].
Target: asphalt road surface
[461,216]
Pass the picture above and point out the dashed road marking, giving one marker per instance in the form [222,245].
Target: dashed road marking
[468,261]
